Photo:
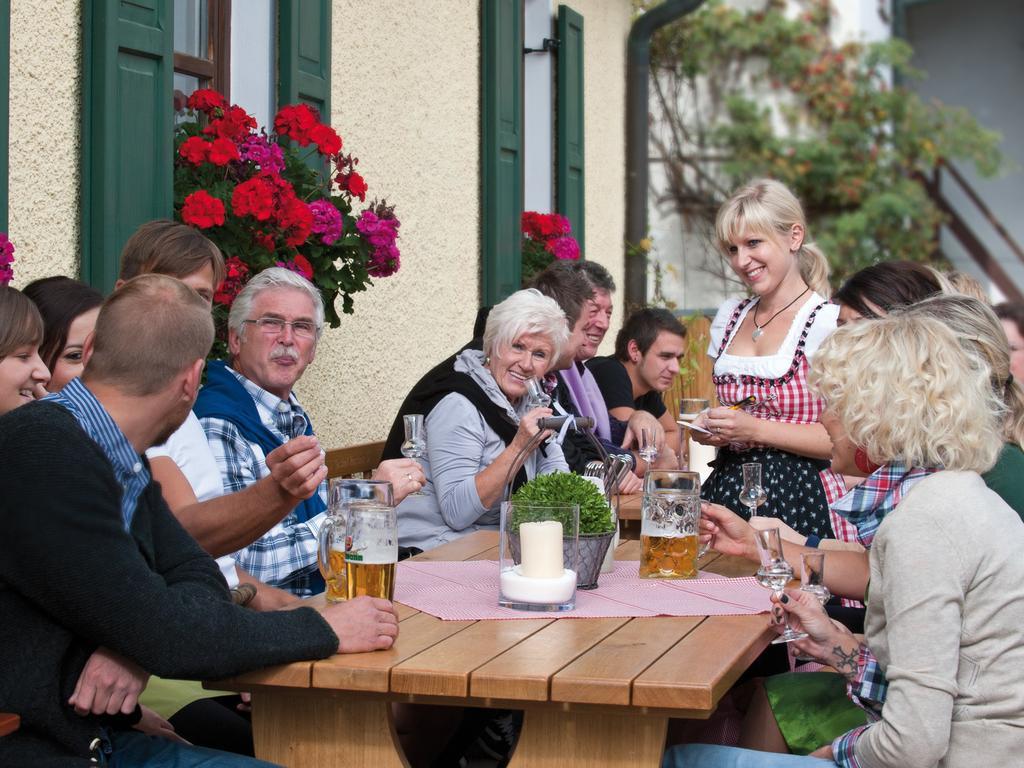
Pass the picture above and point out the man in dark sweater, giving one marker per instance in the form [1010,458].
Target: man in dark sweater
[90,555]
[646,361]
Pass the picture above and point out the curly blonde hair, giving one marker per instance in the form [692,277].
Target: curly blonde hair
[905,389]
[767,207]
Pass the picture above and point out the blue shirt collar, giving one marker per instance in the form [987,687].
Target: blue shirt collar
[129,468]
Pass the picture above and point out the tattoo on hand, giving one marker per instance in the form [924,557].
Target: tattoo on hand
[845,663]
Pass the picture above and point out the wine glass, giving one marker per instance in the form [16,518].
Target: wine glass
[812,575]
[648,446]
[415,445]
[536,396]
[812,579]
[752,494]
[774,574]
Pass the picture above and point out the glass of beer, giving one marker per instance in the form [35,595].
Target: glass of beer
[670,525]
[371,545]
[331,550]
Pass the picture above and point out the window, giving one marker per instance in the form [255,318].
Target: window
[202,49]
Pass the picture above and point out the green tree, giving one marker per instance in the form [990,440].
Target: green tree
[740,94]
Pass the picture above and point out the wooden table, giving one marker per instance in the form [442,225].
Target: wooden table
[594,691]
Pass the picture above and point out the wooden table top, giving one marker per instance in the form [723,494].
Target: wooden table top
[681,665]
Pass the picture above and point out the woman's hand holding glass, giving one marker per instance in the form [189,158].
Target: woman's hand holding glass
[828,641]
[727,532]
[528,427]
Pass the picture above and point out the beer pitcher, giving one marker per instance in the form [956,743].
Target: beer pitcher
[371,542]
[670,525]
[331,549]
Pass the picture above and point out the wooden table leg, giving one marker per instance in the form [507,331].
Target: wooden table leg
[299,730]
[555,739]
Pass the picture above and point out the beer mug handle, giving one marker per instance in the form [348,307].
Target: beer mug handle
[323,550]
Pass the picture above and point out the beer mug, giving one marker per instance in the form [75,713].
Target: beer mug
[330,553]
[670,524]
[371,542]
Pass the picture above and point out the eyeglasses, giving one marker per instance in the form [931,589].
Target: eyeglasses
[274,326]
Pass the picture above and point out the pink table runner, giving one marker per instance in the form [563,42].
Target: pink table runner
[461,591]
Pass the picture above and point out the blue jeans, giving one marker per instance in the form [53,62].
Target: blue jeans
[133,749]
[715,756]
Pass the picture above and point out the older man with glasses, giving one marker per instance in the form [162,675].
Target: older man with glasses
[248,409]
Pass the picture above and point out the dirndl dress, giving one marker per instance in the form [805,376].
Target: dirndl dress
[799,488]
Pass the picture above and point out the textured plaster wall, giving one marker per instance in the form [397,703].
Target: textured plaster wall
[605,30]
[405,99]
[46,82]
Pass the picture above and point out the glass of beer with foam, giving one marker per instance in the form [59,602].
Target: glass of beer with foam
[331,549]
[670,524]
[371,542]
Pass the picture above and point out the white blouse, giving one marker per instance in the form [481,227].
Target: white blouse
[777,365]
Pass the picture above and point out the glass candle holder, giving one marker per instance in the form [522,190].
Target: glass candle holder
[538,556]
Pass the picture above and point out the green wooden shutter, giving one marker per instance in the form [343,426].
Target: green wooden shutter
[501,97]
[127,128]
[5,111]
[569,187]
[304,55]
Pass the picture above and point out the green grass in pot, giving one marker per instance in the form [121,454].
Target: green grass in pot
[563,488]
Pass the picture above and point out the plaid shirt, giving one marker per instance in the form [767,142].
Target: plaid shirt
[868,503]
[286,554]
[866,506]
[867,690]
[129,469]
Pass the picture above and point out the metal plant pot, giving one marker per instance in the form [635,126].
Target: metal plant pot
[593,547]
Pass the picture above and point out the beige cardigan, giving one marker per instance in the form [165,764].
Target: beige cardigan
[946,621]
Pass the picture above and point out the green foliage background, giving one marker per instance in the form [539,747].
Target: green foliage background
[741,94]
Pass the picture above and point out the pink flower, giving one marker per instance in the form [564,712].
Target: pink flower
[379,228]
[565,248]
[256,149]
[6,259]
[327,221]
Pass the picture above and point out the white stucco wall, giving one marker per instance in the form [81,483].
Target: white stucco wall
[44,138]
[606,26]
[405,99]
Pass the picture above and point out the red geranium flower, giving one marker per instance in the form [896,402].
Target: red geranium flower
[352,183]
[296,121]
[195,150]
[255,198]
[202,210]
[206,100]
[263,240]
[235,124]
[237,272]
[295,219]
[326,139]
[223,151]
[304,267]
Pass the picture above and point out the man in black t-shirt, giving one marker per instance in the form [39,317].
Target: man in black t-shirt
[646,361]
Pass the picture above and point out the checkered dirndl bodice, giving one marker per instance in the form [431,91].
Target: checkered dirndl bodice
[787,399]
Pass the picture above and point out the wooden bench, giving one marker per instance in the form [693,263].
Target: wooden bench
[355,460]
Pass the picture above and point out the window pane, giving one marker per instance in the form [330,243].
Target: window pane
[191,30]
[184,85]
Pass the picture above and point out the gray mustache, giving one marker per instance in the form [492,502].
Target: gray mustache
[282,351]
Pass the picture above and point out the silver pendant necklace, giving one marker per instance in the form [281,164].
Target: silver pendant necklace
[758,331]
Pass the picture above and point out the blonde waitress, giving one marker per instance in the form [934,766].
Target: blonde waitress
[761,346]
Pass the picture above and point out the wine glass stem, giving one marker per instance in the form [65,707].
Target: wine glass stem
[785,613]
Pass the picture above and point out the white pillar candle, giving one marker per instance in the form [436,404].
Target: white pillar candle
[701,457]
[542,550]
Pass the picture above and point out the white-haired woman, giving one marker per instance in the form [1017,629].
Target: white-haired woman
[761,346]
[478,419]
[943,648]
